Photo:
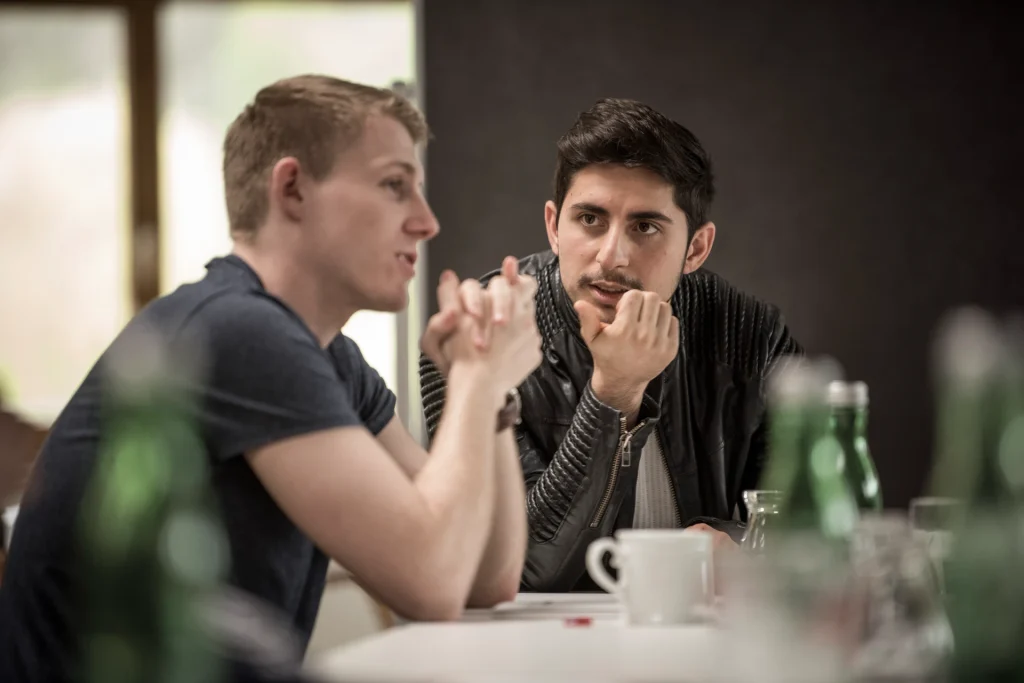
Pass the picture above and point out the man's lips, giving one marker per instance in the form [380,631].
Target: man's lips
[407,262]
[610,287]
[607,294]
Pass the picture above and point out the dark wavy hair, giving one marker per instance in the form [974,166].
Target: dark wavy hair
[627,132]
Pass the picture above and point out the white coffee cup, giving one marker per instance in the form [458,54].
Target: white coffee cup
[666,576]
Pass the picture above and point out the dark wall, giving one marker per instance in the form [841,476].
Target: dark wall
[866,153]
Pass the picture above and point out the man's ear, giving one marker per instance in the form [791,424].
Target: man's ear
[700,248]
[551,224]
[285,190]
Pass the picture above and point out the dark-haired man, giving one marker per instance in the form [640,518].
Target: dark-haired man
[647,411]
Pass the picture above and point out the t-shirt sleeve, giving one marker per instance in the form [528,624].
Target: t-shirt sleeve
[374,402]
[266,379]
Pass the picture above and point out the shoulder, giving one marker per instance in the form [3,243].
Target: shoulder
[344,349]
[371,396]
[723,324]
[347,356]
[236,313]
[249,329]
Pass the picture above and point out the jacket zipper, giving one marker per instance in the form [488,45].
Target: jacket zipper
[623,458]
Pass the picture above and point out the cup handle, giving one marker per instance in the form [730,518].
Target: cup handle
[595,554]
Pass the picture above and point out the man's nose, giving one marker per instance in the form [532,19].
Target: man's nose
[614,251]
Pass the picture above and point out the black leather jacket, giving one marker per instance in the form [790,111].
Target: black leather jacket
[577,456]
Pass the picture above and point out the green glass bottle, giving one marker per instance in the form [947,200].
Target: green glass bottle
[805,458]
[799,593]
[848,421]
[978,450]
[151,545]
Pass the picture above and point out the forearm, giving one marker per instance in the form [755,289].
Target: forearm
[458,483]
[588,451]
[564,516]
[625,399]
[500,569]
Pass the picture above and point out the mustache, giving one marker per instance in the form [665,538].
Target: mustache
[613,278]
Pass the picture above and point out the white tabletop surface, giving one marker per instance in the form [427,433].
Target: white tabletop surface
[536,640]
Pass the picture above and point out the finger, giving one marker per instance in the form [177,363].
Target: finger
[649,311]
[471,295]
[673,333]
[510,269]
[443,323]
[485,322]
[719,539]
[501,300]
[527,286]
[439,330]
[448,291]
[590,320]
[627,311]
[441,326]
[523,294]
[664,319]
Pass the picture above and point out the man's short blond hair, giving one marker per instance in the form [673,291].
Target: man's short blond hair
[312,118]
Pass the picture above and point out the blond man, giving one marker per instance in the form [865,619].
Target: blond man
[326,207]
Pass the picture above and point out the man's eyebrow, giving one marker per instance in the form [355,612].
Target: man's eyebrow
[634,216]
[404,165]
[591,208]
[649,216]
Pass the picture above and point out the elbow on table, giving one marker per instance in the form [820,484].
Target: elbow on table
[506,589]
[501,590]
[446,601]
[433,601]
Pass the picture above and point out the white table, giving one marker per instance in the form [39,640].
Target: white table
[530,640]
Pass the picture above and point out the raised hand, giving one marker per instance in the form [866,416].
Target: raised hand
[476,324]
[630,351]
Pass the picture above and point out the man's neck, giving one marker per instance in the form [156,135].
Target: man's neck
[297,287]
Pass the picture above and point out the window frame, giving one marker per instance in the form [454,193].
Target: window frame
[145,230]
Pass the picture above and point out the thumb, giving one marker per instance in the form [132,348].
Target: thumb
[590,320]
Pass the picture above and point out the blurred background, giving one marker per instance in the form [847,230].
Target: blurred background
[867,157]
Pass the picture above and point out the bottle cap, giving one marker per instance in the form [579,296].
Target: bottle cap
[848,394]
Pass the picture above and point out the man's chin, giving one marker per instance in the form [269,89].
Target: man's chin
[395,304]
[386,302]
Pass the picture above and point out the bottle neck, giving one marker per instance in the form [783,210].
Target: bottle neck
[970,432]
[849,422]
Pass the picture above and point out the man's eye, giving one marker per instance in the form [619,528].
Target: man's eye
[588,219]
[396,185]
[646,228]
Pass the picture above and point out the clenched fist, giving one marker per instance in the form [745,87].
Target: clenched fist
[632,350]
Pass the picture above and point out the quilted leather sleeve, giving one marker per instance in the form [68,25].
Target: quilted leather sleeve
[561,511]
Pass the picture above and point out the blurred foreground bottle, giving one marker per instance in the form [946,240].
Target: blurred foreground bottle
[790,601]
[805,460]
[848,404]
[979,461]
[151,547]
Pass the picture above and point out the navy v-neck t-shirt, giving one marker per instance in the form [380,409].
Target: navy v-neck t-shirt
[267,379]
